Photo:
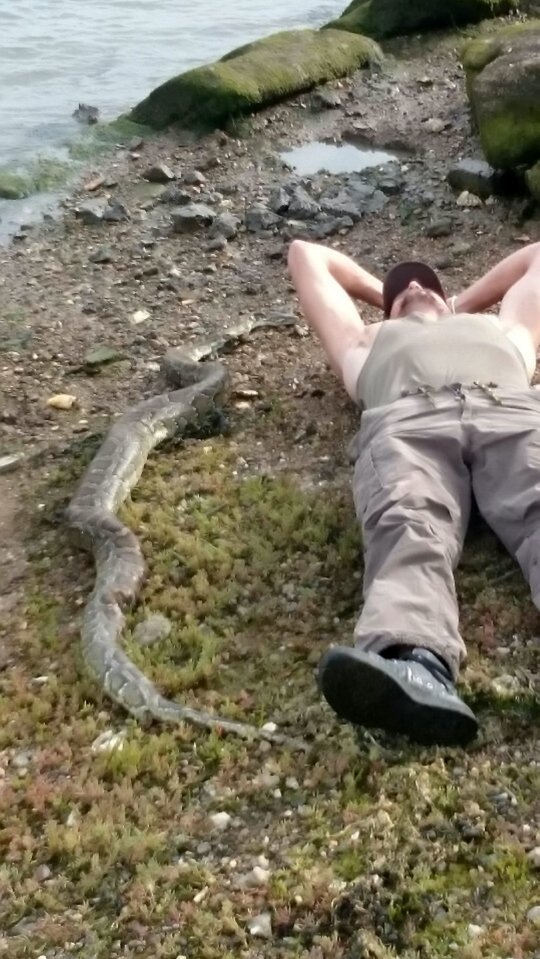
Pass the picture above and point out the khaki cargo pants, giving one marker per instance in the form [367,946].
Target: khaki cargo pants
[417,460]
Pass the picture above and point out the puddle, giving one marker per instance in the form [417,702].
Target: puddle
[317,157]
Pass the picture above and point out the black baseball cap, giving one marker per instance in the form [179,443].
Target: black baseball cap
[398,278]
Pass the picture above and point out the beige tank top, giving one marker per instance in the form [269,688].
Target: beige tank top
[416,351]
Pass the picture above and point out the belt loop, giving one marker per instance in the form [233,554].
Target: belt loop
[487,390]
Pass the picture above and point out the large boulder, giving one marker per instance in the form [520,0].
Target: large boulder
[254,76]
[390,18]
[503,83]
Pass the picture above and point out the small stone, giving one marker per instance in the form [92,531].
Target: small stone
[506,685]
[116,212]
[42,873]
[466,199]
[108,741]
[302,206]
[22,759]
[473,176]
[221,820]
[534,857]
[194,178]
[269,727]
[279,201]
[292,783]
[261,926]
[159,173]
[260,876]
[103,254]
[62,401]
[441,227]
[533,915]
[325,100]
[140,316]
[435,125]
[259,218]
[216,245]
[153,629]
[225,225]
[102,356]
[10,462]
[192,218]
[92,212]
[475,931]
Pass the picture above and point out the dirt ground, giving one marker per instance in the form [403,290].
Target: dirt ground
[367,848]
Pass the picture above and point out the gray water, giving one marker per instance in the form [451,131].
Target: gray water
[317,157]
[111,53]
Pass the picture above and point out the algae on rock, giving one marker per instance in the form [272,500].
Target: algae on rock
[13,186]
[254,76]
[503,84]
[533,180]
[390,18]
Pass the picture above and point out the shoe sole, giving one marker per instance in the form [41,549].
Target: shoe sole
[365,692]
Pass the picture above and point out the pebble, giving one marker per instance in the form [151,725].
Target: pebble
[475,931]
[153,629]
[42,873]
[10,462]
[22,759]
[506,685]
[269,728]
[533,915]
[140,316]
[261,925]
[467,199]
[62,401]
[221,820]
[534,857]
[159,173]
[108,741]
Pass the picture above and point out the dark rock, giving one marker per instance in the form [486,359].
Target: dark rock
[301,205]
[475,176]
[334,225]
[226,225]
[194,178]
[441,227]
[279,201]
[173,194]
[259,218]
[10,462]
[192,218]
[341,206]
[86,114]
[103,254]
[325,100]
[92,212]
[159,173]
[116,211]
[217,244]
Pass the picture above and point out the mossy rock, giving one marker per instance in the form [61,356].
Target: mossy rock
[255,76]
[533,180]
[503,84]
[14,186]
[390,18]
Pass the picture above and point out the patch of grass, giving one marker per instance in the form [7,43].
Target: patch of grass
[368,847]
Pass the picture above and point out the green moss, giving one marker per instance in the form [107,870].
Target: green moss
[373,846]
[388,18]
[106,137]
[533,180]
[14,186]
[509,120]
[254,76]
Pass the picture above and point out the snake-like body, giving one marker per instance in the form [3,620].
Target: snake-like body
[120,567]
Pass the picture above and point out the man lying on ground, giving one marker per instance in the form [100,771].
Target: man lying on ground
[448,410]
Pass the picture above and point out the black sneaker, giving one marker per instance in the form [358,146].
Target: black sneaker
[412,695]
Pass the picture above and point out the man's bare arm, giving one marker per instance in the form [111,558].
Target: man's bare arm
[357,282]
[325,282]
[492,287]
